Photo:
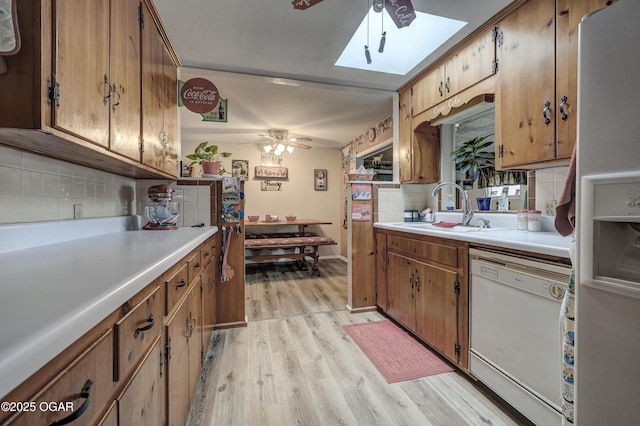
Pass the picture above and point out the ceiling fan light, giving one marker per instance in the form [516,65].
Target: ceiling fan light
[267,148]
[280,147]
[289,149]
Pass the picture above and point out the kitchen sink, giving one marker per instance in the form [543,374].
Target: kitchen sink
[455,229]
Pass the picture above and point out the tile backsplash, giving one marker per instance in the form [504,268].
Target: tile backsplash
[39,188]
[549,184]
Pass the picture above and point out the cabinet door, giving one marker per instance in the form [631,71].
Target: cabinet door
[141,401]
[195,336]
[569,13]
[178,330]
[125,78]
[381,270]
[470,65]
[400,288]
[526,82]
[426,318]
[208,304]
[81,64]
[445,312]
[159,94]
[426,154]
[171,140]
[429,91]
[405,136]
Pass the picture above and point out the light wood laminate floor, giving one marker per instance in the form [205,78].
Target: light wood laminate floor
[295,365]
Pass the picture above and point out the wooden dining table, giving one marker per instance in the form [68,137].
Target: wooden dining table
[300,223]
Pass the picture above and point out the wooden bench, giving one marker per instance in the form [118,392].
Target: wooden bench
[289,241]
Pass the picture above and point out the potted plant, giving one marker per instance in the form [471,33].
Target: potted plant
[473,159]
[208,157]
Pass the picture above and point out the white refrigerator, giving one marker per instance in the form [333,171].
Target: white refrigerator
[607,321]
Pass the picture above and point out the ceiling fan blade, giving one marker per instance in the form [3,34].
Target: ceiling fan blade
[300,139]
[304,4]
[299,145]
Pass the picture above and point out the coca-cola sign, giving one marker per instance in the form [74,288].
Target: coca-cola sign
[401,11]
[199,95]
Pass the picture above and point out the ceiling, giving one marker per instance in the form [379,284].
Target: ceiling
[249,48]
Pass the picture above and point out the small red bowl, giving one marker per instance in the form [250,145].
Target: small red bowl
[253,218]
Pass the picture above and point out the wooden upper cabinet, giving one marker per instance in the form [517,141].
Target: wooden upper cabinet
[125,78]
[405,132]
[569,13]
[526,83]
[419,146]
[81,69]
[537,54]
[428,91]
[74,90]
[464,68]
[471,64]
[159,96]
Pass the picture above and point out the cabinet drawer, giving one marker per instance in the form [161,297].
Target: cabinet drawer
[136,332]
[438,253]
[195,265]
[208,250]
[176,286]
[85,384]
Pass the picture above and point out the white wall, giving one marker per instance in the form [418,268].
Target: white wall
[297,195]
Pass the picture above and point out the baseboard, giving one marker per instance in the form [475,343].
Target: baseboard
[363,309]
[234,324]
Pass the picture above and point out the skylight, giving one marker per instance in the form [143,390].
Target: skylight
[404,48]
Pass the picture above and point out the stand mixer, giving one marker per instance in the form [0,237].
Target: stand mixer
[162,213]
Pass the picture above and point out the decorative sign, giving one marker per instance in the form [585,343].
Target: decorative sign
[381,132]
[201,96]
[361,191]
[240,168]
[270,185]
[361,212]
[320,179]
[401,11]
[304,4]
[272,172]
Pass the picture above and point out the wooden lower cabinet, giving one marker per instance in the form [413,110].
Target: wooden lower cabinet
[425,280]
[86,383]
[183,350]
[138,366]
[141,401]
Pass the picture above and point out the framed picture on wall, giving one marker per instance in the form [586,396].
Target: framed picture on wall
[320,179]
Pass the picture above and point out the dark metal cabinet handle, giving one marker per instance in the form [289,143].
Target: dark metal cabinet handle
[196,265]
[182,283]
[545,113]
[447,85]
[84,393]
[115,103]
[440,89]
[418,283]
[411,280]
[563,112]
[149,326]
[106,93]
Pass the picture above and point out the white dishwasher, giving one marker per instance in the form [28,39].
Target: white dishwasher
[515,337]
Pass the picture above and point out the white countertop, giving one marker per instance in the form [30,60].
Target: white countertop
[53,294]
[547,242]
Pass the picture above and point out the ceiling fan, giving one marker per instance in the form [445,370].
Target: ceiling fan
[280,141]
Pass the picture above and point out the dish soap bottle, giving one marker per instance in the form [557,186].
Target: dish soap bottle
[503,203]
[450,205]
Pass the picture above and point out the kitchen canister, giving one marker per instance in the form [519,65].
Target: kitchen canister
[534,220]
[523,220]
[411,216]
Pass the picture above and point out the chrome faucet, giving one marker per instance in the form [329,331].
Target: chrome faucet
[467,213]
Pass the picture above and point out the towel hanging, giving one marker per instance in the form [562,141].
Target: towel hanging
[9,33]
